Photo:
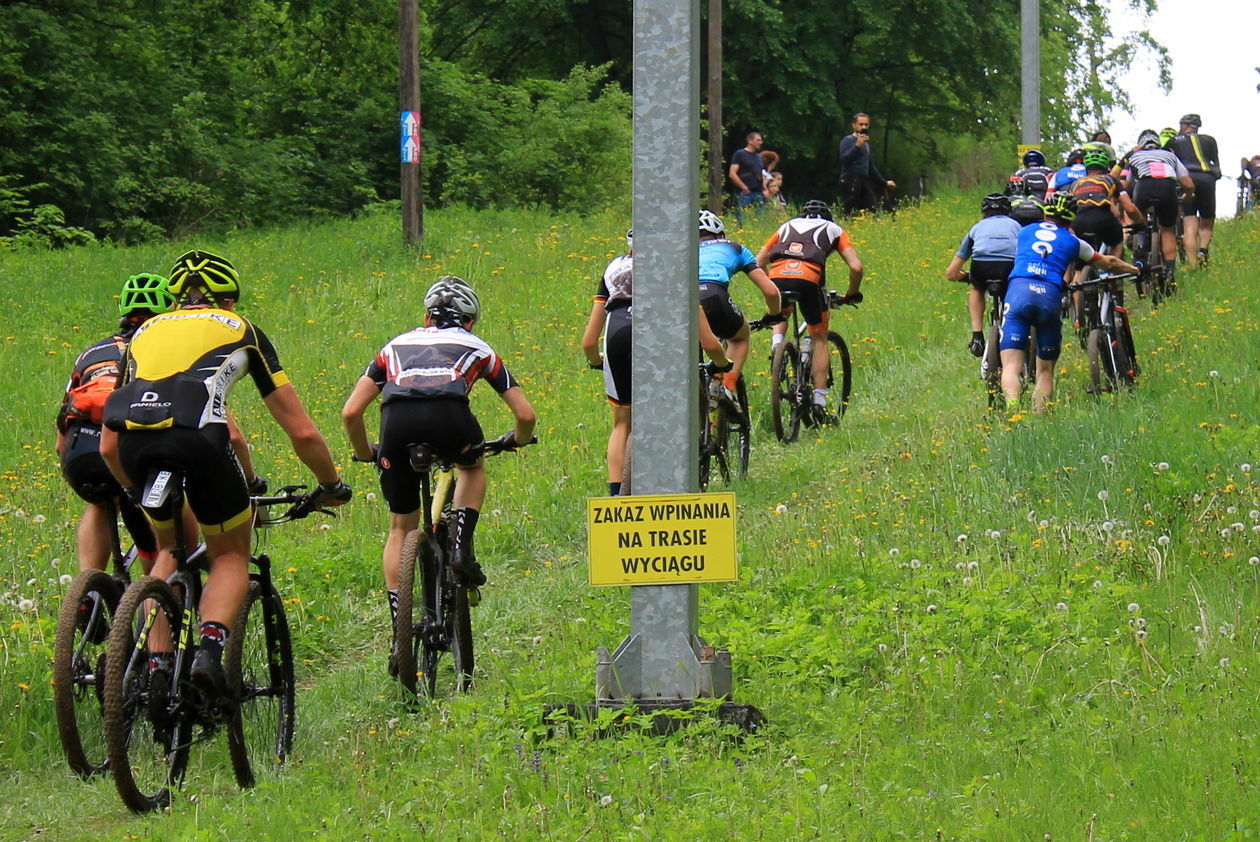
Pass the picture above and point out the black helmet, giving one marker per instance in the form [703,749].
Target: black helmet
[995,203]
[1192,120]
[816,208]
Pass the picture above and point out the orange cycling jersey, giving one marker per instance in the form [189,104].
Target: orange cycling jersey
[800,247]
[92,381]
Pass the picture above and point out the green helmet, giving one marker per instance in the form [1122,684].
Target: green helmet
[215,274]
[1166,134]
[1061,205]
[1096,158]
[145,294]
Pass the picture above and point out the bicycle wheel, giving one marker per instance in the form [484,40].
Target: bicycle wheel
[839,368]
[741,431]
[706,436]
[413,656]
[1122,361]
[461,636]
[258,661]
[146,732]
[991,367]
[79,668]
[1101,372]
[783,365]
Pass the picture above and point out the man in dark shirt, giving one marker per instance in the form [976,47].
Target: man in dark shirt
[745,175]
[860,180]
[1198,152]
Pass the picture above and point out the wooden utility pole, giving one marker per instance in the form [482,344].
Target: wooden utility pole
[409,123]
[715,106]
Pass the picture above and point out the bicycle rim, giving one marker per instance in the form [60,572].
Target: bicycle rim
[259,664]
[838,358]
[783,392]
[148,750]
[79,659]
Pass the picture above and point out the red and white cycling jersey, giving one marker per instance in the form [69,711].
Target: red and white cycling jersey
[432,362]
[800,247]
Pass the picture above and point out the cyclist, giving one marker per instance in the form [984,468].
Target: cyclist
[1025,208]
[796,257]
[1099,202]
[611,313]
[1036,176]
[990,245]
[171,412]
[1153,175]
[720,259]
[1044,255]
[95,374]
[423,378]
[1198,153]
[1070,171]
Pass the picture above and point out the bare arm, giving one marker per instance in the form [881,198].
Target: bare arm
[524,412]
[768,290]
[1110,263]
[286,407]
[240,447]
[365,391]
[856,269]
[954,272]
[590,336]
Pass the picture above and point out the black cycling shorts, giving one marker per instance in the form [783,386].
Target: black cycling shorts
[1203,202]
[1099,223]
[88,475]
[986,272]
[811,297]
[213,480]
[724,315]
[617,342]
[1160,193]
[445,423]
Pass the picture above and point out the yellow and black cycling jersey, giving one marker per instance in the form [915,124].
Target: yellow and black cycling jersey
[180,367]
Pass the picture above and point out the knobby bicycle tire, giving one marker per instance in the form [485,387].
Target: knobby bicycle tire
[258,662]
[838,354]
[461,636]
[405,640]
[79,659]
[146,736]
[993,367]
[783,393]
[742,429]
[706,436]
[1101,368]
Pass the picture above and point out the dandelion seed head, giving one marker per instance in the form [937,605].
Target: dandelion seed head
[1225,532]
[26,605]
[65,578]
[1097,583]
[1253,561]
[1214,373]
[1224,662]
[962,537]
[973,565]
[1237,527]
[371,496]
[1163,466]
[1246,467]
[605,800]
[781,508]
[38,519]
[966,581]
[894,552]
[1163,540]
[324,527]
[883,647]
[1107,526]
[1043,524]
[1103,495]
[1231,510]
[931,609]
[1106,460]
[1134,608]
[915,564]
[1141,634]
[1060,606]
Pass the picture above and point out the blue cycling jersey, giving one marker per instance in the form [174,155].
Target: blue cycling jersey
[1045,252]
[721,259]
[1066,175]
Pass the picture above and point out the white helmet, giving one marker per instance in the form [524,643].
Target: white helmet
[452,301]
[711,223]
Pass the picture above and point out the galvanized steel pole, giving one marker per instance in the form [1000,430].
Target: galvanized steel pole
[1030,72]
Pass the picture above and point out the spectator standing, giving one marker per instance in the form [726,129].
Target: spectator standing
[745,175]
[861,183]
[1198,153]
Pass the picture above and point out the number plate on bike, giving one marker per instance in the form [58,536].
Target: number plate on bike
[666,539]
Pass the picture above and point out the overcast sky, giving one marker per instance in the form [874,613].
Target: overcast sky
[1215,48]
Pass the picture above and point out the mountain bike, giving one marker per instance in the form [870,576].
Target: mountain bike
[723,421]
[1109,340]
[433,610]
[791,373]
[1145,245]
[153,713]
[87,610]
[1248,194]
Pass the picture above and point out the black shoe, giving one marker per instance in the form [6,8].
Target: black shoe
[976,346]
[466,571]
[822,418]
[208,677]
[99,631]
[1203,257]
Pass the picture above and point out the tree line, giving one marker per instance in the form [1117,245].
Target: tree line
[135,119]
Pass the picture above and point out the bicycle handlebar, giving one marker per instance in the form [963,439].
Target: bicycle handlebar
[301,505]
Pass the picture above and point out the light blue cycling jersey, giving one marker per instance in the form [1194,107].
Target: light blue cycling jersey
[721,259]
[992,238]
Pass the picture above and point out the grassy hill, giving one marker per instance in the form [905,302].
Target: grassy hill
[961,625]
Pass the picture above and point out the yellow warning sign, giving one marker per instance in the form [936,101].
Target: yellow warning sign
[1024,148]
[666,539]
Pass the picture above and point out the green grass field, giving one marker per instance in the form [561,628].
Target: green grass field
[960,625]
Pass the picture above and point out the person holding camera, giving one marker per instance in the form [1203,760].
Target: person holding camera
[861,183]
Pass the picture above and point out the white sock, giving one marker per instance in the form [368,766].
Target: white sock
[776,339]
[820,397]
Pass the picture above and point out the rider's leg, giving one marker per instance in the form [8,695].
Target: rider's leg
[1190,238]
[399,526]
[736,352]
[1206,227]
[1012,374]
[818,363]
[617,439]
[93,538]
[470,494]
[1043,391]
[975,309]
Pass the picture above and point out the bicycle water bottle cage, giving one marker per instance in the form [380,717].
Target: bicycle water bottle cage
[422,456]
[158,489]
